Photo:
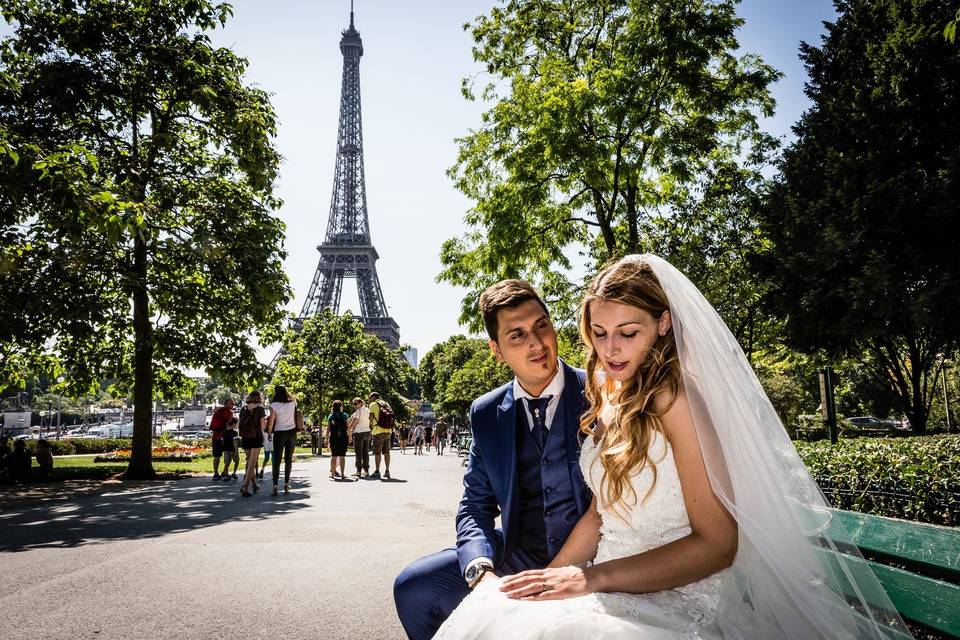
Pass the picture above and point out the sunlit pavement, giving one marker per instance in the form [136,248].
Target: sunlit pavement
[192,559]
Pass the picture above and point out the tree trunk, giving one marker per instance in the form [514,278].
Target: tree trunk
[918,411]
[606,228]
[141,462]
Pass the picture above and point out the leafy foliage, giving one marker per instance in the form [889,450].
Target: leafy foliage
[456,372]
[863,222]
[332,358]
[609,119]
[914,478]
[136,209]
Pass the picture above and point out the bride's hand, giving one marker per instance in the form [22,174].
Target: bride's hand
[547,584]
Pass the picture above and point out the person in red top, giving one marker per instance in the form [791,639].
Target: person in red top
[218,424]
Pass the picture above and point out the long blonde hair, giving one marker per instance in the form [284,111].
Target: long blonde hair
[625,443]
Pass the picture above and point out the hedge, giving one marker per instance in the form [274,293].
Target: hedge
[914,478]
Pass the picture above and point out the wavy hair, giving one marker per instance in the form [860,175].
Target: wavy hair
[625,443]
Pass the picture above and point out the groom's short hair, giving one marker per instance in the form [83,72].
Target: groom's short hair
[505,294]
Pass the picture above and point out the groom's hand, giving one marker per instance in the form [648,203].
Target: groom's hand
[547,584]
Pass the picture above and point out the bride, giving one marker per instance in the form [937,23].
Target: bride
[704,522]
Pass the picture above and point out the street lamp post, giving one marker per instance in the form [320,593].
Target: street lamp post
[59,403]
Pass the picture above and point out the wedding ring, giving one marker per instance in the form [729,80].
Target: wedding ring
[544,585]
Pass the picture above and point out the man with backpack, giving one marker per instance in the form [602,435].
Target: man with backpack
[382,423]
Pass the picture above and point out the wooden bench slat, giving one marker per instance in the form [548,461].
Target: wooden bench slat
[930,602]
[927,601]
[934,549]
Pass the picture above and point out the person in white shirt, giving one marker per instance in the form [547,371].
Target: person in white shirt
[359,426]
[282,429]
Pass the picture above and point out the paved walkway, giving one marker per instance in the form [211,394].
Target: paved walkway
[190,559]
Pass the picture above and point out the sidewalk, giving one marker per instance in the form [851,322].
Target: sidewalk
[191,559]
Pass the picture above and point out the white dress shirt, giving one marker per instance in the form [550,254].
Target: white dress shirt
[555,388]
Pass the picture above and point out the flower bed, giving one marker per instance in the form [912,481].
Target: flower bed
[914,478]
[176,453]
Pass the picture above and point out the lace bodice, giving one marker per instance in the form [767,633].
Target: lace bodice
[658,517]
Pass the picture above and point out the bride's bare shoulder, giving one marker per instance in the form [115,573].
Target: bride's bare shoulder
[674,411]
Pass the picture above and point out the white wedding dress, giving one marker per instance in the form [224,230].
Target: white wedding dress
[683,613]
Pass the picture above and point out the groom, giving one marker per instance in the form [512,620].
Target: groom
[524,466]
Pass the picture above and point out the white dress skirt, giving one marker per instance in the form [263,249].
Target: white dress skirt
[686,612]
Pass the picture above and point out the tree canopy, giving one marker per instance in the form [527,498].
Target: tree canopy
[137,198]
[863,223]
[609,119]
[457,371]
[332,358]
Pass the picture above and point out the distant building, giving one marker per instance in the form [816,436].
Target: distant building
[411,356]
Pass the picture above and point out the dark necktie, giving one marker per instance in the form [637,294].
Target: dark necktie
[538,410]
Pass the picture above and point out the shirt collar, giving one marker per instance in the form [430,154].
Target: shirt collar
[555,388]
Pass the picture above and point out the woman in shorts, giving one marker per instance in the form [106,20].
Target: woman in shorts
[253,419]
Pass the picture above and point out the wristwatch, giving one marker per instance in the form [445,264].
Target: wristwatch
[475,573]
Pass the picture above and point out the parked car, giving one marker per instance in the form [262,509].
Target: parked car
[869,423]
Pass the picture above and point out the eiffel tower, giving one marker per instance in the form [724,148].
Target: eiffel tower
[347,251]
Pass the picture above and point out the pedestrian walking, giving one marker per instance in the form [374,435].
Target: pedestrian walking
[338,438]
[381,425]
[231,452]
[267,449]
[441,435]
[427,436]
[418,436]
[404,437]
[252,422]
[359,425]
[218,424]
[314,440]
[282,427]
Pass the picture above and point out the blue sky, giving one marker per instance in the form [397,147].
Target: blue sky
[415,55]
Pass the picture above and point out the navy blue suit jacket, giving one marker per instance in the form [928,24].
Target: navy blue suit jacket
[490,483]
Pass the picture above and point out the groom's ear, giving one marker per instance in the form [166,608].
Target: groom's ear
[496,349]
[664,324]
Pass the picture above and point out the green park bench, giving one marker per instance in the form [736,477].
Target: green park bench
[917,564]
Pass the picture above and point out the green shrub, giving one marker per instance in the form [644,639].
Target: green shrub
[915,478]
[100,445]
[58,447]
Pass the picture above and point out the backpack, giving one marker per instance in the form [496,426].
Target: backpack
[247,427]
[386,419]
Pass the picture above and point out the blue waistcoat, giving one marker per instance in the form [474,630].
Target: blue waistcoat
[547,510]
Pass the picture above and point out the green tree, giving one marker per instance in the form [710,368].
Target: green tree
[140,205]
[478,375]
[607,117]
[332,358]
[863,224]
[457,371]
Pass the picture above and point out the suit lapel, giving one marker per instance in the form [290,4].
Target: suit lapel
[507,444]
[574,405]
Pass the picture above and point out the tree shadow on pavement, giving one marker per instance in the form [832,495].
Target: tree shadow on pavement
[143,512]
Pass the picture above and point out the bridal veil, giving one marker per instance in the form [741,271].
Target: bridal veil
[789,578]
